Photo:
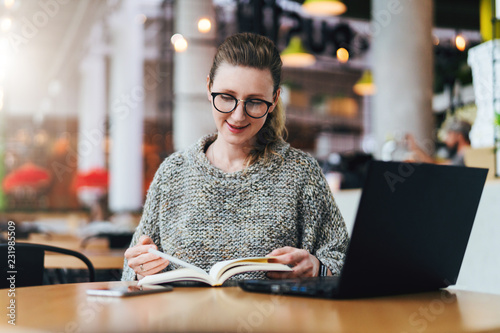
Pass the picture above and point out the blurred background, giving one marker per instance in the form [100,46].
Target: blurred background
[95,94]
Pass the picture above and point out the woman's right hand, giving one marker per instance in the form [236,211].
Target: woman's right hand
[143,262]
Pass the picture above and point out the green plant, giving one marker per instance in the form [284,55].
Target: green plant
[497,119]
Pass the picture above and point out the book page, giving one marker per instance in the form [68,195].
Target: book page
[250,267]
[219,268]
[181,274]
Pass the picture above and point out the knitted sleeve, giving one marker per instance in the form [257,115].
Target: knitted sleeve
[149,221]
[324,233]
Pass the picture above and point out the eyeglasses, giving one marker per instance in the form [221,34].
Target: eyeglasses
[254,107]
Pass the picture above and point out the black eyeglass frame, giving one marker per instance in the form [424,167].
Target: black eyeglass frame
[215,94]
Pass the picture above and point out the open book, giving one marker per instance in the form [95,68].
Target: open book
[219,272]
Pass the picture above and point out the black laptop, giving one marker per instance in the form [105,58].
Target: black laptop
[410,234]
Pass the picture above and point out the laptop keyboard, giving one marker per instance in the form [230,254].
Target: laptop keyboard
[317,287]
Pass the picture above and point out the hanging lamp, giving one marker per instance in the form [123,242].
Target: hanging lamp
[324,7]
[295,55]
[365,85]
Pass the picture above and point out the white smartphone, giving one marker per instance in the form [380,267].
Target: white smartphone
[129,291]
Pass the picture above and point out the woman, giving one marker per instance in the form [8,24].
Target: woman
[242,192]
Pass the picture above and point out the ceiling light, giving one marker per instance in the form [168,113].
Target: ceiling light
[8,3]
[204,25]
[342,55]
[460,42]
[180,43]
[175,37]
[324,7]
[295,55]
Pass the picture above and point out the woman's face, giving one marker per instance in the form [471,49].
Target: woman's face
[237,128]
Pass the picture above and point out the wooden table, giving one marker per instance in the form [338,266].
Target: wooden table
[66,308]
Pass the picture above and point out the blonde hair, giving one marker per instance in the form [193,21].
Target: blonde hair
[256,51]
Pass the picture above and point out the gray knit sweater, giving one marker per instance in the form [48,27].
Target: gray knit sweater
[202,215]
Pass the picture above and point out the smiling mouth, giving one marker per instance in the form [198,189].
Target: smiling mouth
[237,127]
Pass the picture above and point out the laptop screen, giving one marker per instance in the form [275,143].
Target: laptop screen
[411,229]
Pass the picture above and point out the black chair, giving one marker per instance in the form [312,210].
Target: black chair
[116,240]
[28,264]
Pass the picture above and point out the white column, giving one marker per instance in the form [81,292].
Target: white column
[92,105]
[368,144]
[192,111]
[402,69]
[126,103]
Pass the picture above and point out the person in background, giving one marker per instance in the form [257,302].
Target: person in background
[243,191]
[456,140]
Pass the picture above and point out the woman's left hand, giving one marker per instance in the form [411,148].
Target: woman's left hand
[303,263]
